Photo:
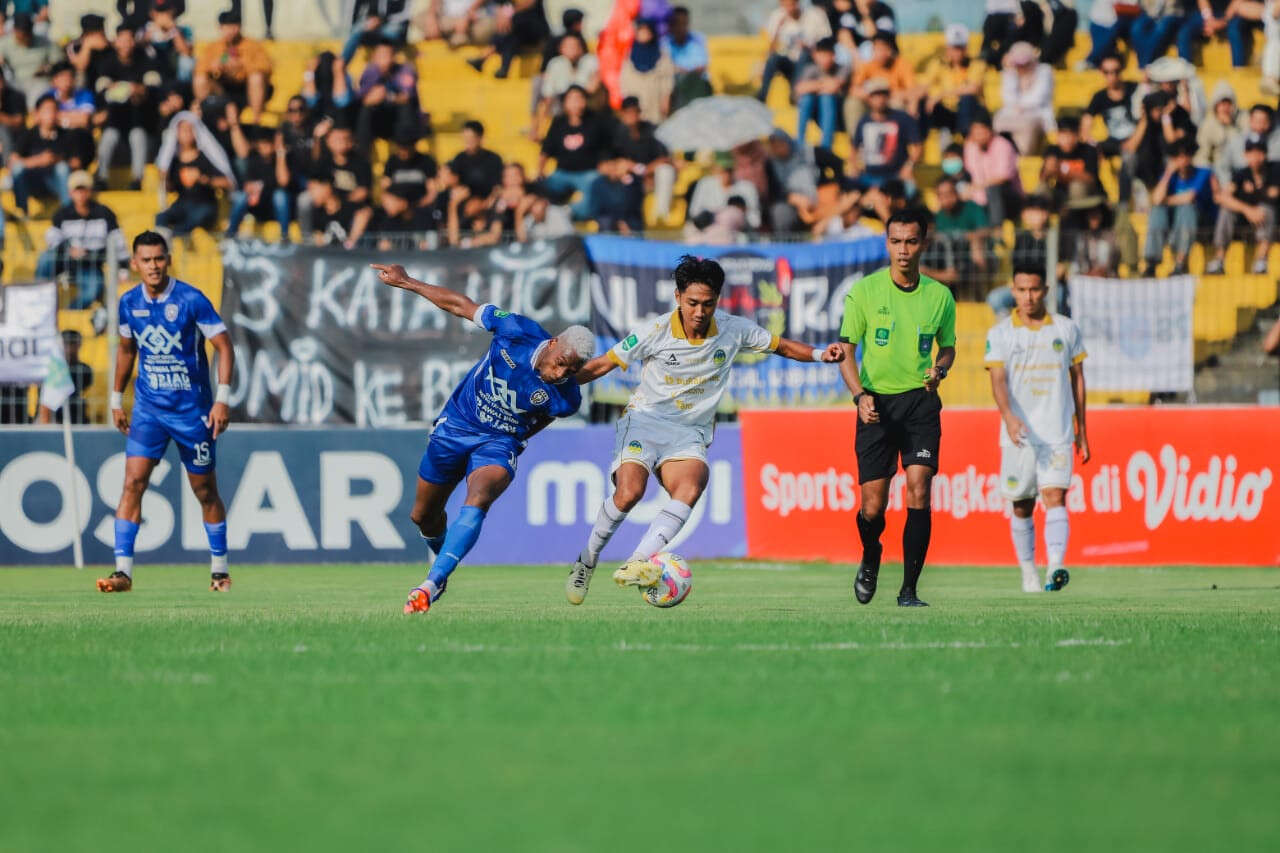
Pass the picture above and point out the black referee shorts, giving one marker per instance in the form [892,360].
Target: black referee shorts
[910,427]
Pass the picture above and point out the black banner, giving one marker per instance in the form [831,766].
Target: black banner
[320,340]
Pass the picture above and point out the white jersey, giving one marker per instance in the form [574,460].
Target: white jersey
[1037,363]
[682,381]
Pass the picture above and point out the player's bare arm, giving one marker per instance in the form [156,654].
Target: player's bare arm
[220,413]
[125,357]
[443,298]
[941,367]
[1078,395]
[595,368]
[849,372]
[1000,391]
[797,351]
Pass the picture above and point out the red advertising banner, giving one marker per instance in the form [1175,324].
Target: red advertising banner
[1165,486]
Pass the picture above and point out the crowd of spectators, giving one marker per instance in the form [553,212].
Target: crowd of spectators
[75,119]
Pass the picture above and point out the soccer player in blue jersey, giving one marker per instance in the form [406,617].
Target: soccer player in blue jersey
[163,326]
[524,381]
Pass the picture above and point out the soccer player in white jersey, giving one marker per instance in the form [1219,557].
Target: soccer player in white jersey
[1035,358]
[685,358]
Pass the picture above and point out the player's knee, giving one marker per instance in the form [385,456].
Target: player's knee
[627,495]
[918,494]
[206,493]
[872,507]
[687,493]
[134,486]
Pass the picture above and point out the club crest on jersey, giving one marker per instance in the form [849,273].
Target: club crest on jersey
[634,447]
[171,312]
[1011,482]
[538,397]
[1058,344]
[882,337]
[719,357]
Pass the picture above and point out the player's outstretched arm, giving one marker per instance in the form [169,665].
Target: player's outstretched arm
[594,369]
[442,297]
[797,351]
[125,357]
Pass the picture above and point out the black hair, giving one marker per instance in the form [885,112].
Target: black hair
[575,36]
[910,216]
[1111,54]
[1038,201]
[1262,108]
[1185,145]
[695,270]
[678,10]
[1024,267]
[474,126]
[827,44]
[150,238]
[571,18]
[45,97]
[59,68]
[946,179]
[574,88]
[982,117]
[1070,123]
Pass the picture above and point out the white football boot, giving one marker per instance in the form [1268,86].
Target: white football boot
[575,588]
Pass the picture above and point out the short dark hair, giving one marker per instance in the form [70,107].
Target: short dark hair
[1262,108]
[60,68]
[982,117]
[1037,201]
[910,216]
[45,97]
[1185,145]
[1069,123]
[827,45]
[1255,143]
[630,102]
[1112,55]
[150,238]
[1025,267]
[678,10]
[946,179]
[574,88]
[694,270]
[474,126]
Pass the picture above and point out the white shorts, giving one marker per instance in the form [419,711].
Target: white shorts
[1027,469]
[650,441]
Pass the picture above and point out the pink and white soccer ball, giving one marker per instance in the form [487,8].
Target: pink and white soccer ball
[674,585]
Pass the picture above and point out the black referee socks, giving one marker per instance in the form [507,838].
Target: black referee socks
[915,545]
[869,532]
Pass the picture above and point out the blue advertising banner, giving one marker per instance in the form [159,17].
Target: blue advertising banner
[794,290]
[338,495]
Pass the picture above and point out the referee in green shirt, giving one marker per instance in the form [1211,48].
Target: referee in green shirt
[897,316]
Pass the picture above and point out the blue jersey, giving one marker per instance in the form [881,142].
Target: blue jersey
[503,394]
[173,370]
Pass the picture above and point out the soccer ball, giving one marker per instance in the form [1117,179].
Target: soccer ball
[674,585]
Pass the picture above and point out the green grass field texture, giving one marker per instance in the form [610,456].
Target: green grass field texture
[1136,710]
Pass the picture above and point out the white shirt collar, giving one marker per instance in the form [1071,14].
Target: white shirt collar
[163,296]
[537,351]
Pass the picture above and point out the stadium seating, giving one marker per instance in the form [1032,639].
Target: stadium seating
[452,92]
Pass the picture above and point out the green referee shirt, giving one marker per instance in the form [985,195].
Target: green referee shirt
[897,329]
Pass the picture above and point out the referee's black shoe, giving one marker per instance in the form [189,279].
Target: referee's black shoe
[864,585]
[907,598]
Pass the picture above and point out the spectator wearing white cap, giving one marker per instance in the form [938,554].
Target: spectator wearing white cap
[954,85]
[1026,90]
[1177,78]
[1218,132]
[77,242]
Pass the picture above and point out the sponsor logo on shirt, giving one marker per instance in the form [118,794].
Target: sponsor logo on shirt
[507,358]
[1011,482]
[501,313]
[141,312]
[925,342]
[672,360]
[924,454]
[159,340]
[629,342]
[882,337]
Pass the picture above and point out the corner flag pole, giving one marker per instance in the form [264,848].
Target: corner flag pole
[77,547]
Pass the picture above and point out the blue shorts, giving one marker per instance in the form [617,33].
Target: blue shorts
[149,434]
[454,452]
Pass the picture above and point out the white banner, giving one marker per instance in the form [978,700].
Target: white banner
[28,332]
[1138,332]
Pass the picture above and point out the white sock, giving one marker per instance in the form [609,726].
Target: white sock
[1056,530]
[607,523]
[664,528]
[217,564]
[1024,541]
[430,587]
[125,564]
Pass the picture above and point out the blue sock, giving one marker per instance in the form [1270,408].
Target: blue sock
[126,532]
[217,534]
[458,540]
[435,543]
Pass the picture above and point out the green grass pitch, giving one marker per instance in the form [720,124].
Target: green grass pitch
[1136,710]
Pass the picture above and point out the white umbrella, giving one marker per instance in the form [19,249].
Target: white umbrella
[718,123]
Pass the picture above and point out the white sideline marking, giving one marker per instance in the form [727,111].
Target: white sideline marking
[839,646]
